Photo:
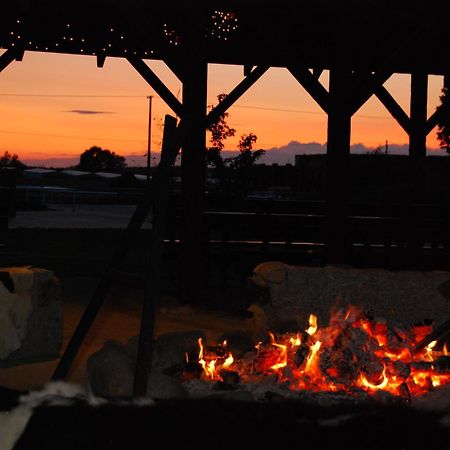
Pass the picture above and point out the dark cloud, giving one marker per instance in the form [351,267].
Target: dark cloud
[88,111]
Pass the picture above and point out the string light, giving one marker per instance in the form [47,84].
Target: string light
[221,26]
[224,24]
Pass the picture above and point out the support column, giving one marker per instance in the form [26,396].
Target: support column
[418,115]
[338,155]
[418,135]
[193,179]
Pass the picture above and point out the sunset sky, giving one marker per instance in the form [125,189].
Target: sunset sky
[57,106]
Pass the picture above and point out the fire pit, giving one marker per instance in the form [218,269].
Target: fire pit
[355,354]
[356,382]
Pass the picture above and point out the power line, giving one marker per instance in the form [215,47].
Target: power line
[71,96]
[237,105]
[265,108]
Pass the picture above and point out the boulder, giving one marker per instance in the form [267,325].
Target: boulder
[31,316]
[401,297]
[110,371]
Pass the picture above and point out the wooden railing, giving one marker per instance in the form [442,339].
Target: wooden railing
[377,234]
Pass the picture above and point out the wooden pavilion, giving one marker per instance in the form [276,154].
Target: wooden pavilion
[361,44]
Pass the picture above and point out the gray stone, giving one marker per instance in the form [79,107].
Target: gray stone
[31,316]
[170,348]
[401,297]
[110,374]
[110,371]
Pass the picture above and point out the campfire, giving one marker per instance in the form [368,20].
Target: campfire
[355,353]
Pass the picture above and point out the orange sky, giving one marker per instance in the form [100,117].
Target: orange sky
[39,121]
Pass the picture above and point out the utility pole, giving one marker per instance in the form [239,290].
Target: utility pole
[149,140]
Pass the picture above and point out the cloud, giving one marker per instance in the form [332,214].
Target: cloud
[88,111]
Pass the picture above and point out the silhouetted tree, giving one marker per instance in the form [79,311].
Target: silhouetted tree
[220,131]
[230,171]
[97,159]
[247,156]
[11,160]
[443,125]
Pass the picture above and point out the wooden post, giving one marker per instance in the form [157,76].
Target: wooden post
[152,289]
[417,155]
[418,134]
[338,152]
[193,178]
[418,115]
[117,258]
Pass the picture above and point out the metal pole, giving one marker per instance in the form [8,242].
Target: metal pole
[150,97]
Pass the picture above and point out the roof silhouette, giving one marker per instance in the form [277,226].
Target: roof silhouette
[405,35]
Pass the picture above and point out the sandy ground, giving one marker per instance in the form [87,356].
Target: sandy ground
[119,319]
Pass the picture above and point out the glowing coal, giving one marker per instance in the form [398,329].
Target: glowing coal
[354,353]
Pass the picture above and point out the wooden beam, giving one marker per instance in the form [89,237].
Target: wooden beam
[214,115]
[433,120]
[117,258]
[317,72]
[368,85]
[7,58]
[152,275]
[393,107]
[19,54]
[176,68]
[160,88]
[337,166]
[418,114]
[101,61]
[247,70]
[311,84]
[193,180]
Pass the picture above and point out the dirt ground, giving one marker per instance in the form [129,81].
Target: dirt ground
[119,319]
[76,246]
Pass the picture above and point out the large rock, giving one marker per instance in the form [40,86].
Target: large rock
[110,371]
[31,316]
[401,297]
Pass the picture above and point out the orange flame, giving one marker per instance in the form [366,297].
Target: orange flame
[377,358]
[211,365]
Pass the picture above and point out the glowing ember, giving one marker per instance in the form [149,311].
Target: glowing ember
[355,352]
[214,359]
